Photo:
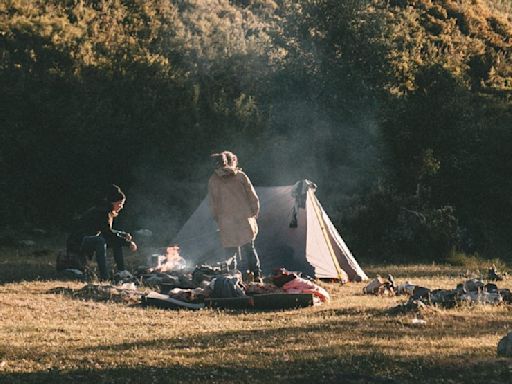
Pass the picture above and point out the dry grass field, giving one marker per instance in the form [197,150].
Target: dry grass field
[49,337]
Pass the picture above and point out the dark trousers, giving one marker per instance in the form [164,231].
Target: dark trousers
[98,245]
[247,259]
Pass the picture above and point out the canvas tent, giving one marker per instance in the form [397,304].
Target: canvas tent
[294,232]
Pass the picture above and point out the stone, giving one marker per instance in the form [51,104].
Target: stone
[373,287]
[505,346]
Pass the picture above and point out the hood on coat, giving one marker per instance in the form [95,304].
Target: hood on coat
[226,163]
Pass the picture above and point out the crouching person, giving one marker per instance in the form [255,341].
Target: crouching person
[92,233]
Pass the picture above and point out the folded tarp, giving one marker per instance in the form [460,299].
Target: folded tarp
[264,301]
[243,302]
[261,302]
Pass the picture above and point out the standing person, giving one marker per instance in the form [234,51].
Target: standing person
[235,207]
[92,232]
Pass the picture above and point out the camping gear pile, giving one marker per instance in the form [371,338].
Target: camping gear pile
[290,282]
[214,287]
[205,286]
[472,291]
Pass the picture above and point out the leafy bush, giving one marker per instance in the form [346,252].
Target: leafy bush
[397,228]
[414,93]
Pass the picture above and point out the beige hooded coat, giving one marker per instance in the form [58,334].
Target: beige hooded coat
[234,205]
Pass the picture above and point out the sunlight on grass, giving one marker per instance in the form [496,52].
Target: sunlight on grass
[49,337]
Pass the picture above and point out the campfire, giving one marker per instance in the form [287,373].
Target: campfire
[168,262]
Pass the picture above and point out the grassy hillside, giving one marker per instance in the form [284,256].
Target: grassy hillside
[472,39]
[389,106]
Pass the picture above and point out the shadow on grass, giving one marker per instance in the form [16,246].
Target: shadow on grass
[356,369]
[272,338]
[297,373]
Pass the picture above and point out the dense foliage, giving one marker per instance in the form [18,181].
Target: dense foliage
[399,110]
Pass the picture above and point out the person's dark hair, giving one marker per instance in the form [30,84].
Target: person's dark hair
[115,194]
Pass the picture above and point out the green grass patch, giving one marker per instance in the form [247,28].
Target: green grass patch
[476,262]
